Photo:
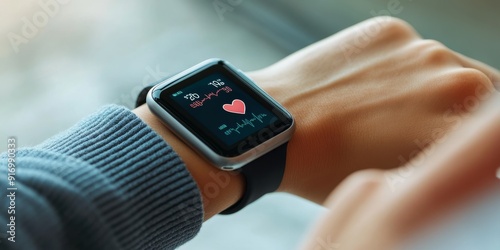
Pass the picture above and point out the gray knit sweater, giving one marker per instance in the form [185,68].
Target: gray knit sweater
[109,182]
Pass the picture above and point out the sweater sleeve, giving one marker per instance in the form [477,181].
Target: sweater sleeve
[109,182]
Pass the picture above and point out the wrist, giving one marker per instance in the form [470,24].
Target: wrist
[305,153]
[283,94]
[219,189]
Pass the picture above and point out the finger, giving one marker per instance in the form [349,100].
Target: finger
[472,154]
[466,165]
[345,202]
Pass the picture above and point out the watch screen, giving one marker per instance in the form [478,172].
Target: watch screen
[223,110]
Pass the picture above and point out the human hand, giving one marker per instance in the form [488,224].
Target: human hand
[366,213]
[371,96]
[368,109]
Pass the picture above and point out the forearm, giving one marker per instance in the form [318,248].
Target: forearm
[109,182]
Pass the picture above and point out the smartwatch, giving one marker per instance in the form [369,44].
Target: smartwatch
[227,119]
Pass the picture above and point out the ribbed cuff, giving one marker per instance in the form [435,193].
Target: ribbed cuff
[147,197]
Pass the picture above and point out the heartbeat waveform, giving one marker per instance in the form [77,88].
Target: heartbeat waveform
[246,122]
[199,103]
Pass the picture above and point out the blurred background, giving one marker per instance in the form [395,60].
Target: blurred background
[63,59]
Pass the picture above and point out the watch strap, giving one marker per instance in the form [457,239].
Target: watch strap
[141,98]
[262,176]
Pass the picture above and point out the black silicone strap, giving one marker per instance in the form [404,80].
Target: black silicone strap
[141,98]
[262,176]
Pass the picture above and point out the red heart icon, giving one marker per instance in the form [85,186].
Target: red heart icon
[236,107]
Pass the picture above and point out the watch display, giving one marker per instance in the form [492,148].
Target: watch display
[223,109]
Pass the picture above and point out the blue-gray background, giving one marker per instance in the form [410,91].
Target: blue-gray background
[90,53]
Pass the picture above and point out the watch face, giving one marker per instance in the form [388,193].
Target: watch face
[223,109]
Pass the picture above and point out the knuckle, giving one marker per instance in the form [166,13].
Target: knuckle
[433,51]
[366,180]
[465,83]
[474,75]
[470,78]
[394,26]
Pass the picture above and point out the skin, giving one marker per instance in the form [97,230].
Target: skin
[463,166]
[199,168]
[359,101]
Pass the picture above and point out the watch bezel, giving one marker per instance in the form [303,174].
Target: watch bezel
[230,160]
